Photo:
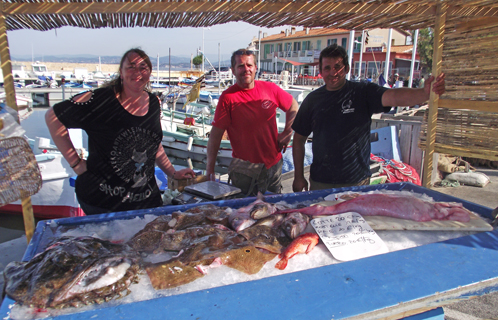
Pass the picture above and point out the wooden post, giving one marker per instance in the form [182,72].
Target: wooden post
[8,79]
[434,98]
[10,93]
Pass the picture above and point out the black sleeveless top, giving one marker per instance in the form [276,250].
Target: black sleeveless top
[122,151]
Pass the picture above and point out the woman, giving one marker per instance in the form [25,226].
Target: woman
[123,124]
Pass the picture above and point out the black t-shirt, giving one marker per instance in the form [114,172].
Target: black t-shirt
[122,151]
[340,122]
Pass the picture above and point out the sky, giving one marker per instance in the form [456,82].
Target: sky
[154,41]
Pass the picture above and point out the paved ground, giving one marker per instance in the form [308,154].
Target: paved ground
[13,245]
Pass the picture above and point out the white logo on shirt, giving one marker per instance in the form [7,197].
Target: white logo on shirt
[347,107]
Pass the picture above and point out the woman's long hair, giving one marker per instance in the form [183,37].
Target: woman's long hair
[117,83]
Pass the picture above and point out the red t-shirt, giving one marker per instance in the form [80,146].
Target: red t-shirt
[249,116]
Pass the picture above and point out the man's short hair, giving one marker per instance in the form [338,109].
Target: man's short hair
[334,51]
[242,52]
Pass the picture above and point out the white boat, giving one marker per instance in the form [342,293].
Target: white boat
[56,198]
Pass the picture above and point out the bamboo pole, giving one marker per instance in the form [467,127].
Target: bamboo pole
[10,93]
[437,63]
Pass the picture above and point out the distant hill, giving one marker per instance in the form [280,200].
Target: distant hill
[183,62]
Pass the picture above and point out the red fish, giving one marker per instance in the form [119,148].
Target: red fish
[302,244]
[396,206]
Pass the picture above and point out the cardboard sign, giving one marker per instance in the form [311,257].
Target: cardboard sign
[348,236]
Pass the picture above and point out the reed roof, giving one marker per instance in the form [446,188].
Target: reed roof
[347,14]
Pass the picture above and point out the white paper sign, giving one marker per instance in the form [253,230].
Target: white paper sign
[348,236]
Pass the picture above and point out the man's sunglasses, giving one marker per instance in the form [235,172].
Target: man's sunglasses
[244,53]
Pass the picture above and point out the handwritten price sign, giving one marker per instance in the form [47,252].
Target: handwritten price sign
[348,236]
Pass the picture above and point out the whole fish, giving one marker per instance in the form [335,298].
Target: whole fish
[240,220]
[273,221]
[396,206]
[302,244]
[295,223]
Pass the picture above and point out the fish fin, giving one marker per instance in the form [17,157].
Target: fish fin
[281,264]
[260,196]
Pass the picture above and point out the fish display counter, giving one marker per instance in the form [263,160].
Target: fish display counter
[413,278]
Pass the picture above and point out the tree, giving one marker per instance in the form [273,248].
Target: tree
[425,47]
[197,61]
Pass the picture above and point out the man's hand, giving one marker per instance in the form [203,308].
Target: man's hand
[283,140]
[299,185]
[438,86]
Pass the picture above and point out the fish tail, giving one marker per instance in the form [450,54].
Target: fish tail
[281,264]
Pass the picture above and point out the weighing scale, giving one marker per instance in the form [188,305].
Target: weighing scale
[206,191]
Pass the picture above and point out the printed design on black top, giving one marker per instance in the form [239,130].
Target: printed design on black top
[140,178]
[129,156]
[347,106]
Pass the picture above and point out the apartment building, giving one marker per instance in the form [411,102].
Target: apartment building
[299,51]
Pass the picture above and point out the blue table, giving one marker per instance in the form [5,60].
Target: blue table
[414,281]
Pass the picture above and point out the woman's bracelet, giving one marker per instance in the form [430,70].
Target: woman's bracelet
[76,163]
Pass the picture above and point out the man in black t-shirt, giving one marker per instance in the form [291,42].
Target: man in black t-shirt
[339,116]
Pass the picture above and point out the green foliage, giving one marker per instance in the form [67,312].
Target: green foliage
[425,48]
[197,61]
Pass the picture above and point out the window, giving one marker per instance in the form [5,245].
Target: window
[363,67]
[357,45]
[306,45]
[344,42]
[319,45]
[267,49]
[279,47]
[297,46]
[331,41]
[373,69]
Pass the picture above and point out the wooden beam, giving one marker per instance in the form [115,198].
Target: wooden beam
[486,106]
[437,66]
[6,65]
[215,7]
[466,152]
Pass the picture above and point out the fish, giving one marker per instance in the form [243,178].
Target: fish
[182,220]
[171,274]
[390,205]
[265,237]
[273,221]
[295,223]
[72,272]
[248,259]
[262,210]
[302,244]
[240,220]
[212,213]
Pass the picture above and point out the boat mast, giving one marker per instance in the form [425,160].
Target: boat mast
[157,80]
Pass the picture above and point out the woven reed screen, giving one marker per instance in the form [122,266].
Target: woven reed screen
[470,62]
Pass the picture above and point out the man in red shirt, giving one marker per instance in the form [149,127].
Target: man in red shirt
[247,111]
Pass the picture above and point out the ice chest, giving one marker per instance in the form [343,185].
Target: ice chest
[383,286]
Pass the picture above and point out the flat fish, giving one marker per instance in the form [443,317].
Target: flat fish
[72,272]
[396,206]
[171,274]
[247,259]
